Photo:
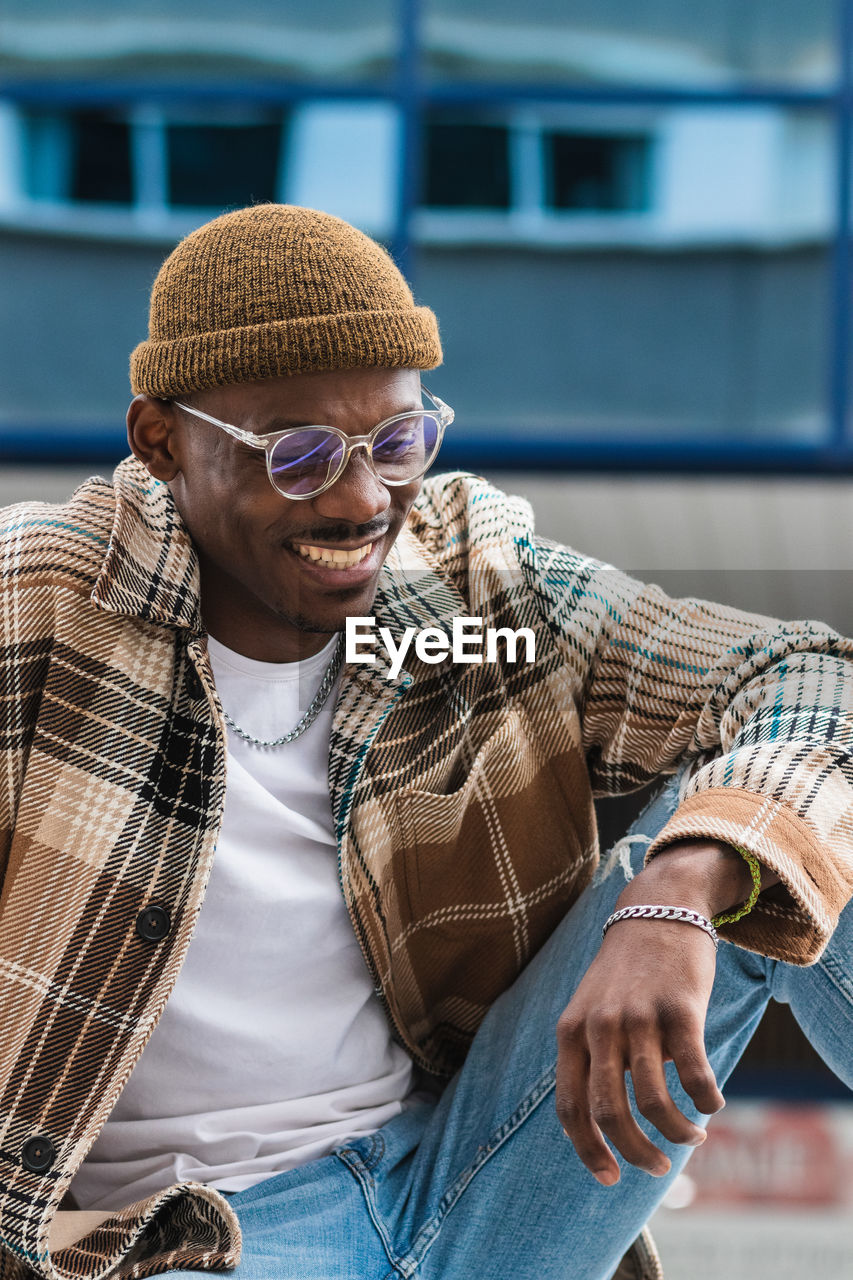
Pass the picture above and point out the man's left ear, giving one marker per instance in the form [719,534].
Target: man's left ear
[151,436]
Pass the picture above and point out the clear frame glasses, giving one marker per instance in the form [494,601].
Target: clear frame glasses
[304,461]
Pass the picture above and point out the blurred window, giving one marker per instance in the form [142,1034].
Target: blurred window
[597,172]
[673,174]
[219,165]
[467,166]
[139,157]
[78,155]
[527,164]
[101,161]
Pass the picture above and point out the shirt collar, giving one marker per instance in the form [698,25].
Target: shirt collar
[151,569]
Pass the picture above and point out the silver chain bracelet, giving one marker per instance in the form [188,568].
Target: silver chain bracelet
[641,912]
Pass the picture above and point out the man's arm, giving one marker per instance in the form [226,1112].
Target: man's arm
[641,1003]
[763,708]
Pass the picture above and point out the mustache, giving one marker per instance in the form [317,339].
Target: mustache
[331,533]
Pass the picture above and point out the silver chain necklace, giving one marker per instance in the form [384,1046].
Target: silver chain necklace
[317,704]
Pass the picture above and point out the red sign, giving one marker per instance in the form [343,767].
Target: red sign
[758,1154]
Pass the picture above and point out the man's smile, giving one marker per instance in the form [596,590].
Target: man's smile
[334,557]
[338,565]
[355,552]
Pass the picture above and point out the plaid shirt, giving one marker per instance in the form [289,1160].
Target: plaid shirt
[462,798]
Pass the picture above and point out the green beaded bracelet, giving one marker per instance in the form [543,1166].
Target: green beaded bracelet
[729,917]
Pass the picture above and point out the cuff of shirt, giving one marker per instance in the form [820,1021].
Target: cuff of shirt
[794,927]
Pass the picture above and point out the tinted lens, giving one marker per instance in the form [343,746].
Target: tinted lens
[304,461]
[405,447]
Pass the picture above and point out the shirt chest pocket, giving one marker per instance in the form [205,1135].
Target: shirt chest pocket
[498,846]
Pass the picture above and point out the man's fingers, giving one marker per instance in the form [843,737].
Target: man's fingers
[572,1100]
[592,1103]
[592,1150]
[611,1112]
[687,1050]
[653,1098]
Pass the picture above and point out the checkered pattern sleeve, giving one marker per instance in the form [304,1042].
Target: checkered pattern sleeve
[764,708]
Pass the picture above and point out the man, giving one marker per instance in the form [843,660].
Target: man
[344,1053]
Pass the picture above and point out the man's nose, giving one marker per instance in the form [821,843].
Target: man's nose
[357,496]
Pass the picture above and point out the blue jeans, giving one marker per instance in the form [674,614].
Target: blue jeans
[482,1183]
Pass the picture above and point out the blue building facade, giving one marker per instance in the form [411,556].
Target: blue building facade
[632,219]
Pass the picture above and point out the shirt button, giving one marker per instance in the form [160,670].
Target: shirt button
[193,684]
[38,1154]
[153,924]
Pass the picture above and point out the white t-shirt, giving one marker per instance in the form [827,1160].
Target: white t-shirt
[273,1047]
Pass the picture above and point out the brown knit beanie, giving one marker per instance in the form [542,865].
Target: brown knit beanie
[275,289]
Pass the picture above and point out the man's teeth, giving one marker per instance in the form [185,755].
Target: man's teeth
[335,559]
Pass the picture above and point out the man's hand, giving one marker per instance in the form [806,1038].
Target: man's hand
[642,1002]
